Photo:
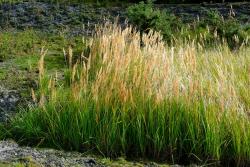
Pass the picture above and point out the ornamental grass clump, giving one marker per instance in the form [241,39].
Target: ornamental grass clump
[132,95]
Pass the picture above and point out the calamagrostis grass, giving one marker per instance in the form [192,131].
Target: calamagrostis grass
[133,95]
[130,66]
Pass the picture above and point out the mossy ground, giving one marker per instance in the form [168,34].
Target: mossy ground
[21,52]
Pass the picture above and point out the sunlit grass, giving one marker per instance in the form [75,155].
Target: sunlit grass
[137,97]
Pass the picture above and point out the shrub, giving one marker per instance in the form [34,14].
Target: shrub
[210,30]
[219,28]
[146,17]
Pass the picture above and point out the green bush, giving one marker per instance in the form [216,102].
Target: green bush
[209,30]
[157,1]
[219,29]
[3,132]
[146,17]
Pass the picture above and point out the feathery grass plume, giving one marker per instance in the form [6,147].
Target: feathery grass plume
[41,63]
[33,95]
[42,100]
[68,56]
[42,76]
[51,87]
[74,70]
[65,56]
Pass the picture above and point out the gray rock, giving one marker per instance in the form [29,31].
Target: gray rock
[12,152]
[8,103]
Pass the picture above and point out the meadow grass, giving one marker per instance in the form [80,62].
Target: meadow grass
[14,44]
[132,95]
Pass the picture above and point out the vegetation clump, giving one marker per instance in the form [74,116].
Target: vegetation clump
[154,100]
[146,17]
[170,91]
[209,30]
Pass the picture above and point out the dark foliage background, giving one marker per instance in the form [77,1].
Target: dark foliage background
[182,1]
[136,1]
[193,1]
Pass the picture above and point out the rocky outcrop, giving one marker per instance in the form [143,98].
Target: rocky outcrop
[8,102]
[10,152]
[78,19]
